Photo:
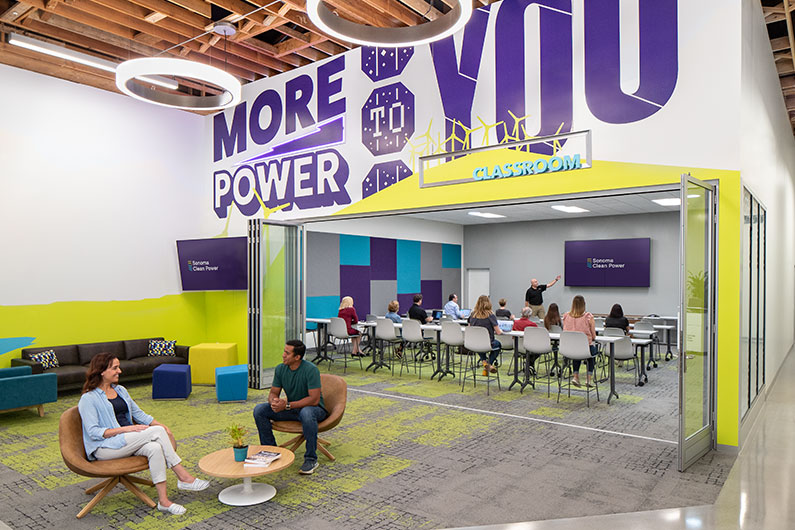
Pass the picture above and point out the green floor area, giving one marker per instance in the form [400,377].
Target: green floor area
[411,453]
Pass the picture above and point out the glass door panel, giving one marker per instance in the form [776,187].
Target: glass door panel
[696,433]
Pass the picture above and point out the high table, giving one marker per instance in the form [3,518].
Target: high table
[647,335]
[526,372]
[667,327]
[222,464]
[378,356]
[322,339]
[612,341]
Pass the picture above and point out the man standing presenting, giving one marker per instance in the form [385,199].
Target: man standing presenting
[451,307]
[534,299]
[300,380]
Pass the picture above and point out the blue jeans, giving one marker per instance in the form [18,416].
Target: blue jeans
[308,416]
[575,364]
[496,347]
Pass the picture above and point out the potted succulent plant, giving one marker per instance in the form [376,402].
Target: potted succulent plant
[238,433]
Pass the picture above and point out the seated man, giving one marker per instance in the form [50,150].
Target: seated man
[416,311]
[451,307]
[300,380]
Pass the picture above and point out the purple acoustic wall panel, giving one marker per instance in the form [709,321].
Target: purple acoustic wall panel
[355,282]
[432,294]
[406,301]
[383,259]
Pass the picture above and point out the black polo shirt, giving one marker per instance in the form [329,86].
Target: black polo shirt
[534,297]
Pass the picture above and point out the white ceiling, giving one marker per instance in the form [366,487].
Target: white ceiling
[637,203]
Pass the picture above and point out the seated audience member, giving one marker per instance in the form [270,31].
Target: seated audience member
[451,307]
[524,322]
[553,317]
[578,319]
[114,427]
[617,319]
[392,312]
[348,314]
[483,317]
[303,402]
[416,312]
[502,312]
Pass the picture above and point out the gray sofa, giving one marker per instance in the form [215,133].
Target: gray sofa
[73,360]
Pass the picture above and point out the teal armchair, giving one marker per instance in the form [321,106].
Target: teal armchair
[20,389]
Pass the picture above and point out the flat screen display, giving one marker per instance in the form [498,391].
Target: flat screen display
[608,263]
[217,264]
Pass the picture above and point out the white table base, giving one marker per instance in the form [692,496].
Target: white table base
[247,493]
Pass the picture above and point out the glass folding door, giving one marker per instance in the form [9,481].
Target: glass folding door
[696,425]
[275,294]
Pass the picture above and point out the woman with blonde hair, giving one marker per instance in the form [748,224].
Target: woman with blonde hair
[578,319]
[348,314]
[483,317]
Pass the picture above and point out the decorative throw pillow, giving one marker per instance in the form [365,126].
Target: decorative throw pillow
[46,358]
[159,348]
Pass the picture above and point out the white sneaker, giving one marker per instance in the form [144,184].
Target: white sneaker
[197,485]
[173,509]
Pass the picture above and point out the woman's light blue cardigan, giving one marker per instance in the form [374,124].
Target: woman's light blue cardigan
[97,416]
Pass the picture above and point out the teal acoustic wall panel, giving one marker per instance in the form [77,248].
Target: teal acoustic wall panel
[321,307]
[451,256]
[354,250]
[409,266]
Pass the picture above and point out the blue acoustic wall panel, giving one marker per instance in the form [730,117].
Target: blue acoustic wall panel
[383,259]
[355,282]
[409,266]
[321,307]
[431,261]
[451,256]
[354,250]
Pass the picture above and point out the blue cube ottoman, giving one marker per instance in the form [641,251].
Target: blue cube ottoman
[171,381]
[231,383]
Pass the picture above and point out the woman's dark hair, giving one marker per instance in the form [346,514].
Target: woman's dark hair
[616,311]
[553,316]
[99,364]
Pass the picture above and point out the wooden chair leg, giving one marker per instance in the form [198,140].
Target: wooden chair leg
[40,408]
[111,483]
[139,480]
[293,443]
[320,445]
[98,486]
[124,479]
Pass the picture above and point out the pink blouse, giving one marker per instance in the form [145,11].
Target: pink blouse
[584,324]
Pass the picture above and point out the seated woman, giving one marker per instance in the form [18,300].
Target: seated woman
[483,317]
[114,427]
[617,319]
[348,314]
[502,312]
[524,322]
[553,316]
[392,312]
[577,319]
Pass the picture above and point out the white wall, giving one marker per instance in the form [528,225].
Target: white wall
[767,167]
[95,187]
[517,252]
[394,227]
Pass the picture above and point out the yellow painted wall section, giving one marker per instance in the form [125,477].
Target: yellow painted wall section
[227,320]
[605,175]
[174,317]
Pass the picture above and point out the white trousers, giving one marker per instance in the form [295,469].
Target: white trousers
[153,443]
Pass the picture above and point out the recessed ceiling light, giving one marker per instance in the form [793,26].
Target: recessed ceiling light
[569,209]
[486,215]
[667,202]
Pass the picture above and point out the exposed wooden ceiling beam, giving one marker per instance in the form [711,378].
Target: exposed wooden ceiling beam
[197,6]
[16,11]
[790,32]
[396,10]
[779,44]
[423,8]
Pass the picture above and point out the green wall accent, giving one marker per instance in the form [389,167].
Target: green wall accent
[188,318]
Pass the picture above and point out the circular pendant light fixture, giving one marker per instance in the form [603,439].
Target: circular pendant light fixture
[128,71]
[336,26]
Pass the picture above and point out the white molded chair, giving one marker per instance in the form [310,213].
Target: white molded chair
[477,340]
[625,351]
[413,337]
[536,342]
[386,336]
[574,346]
[339,331]
[453,335]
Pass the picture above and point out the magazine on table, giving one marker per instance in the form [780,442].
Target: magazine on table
[261,459]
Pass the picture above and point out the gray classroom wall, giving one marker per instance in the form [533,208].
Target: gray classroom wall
[516,252]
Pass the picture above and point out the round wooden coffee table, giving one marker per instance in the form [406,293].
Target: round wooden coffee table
[222,464]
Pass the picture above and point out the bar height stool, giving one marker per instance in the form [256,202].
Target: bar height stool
[477,340]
